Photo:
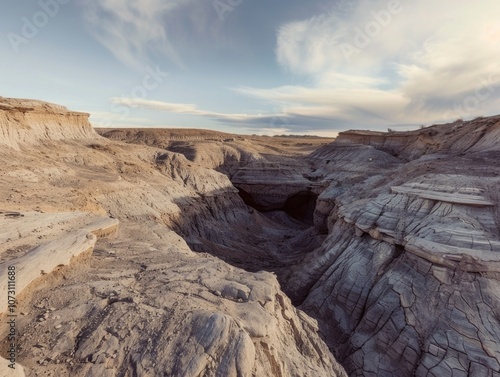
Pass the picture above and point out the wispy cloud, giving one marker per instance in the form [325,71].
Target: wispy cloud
[297,119]
[111,119]
[133,29]
[190,109]
[263,124]
[370,64]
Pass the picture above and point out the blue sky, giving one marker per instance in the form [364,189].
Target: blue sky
[255,66]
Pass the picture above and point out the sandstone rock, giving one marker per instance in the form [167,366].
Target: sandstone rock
[146,304]
[31,121]
[388,244]
[43,259]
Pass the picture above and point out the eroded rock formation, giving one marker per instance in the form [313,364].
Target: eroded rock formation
[142,302]
[25,122]
[406,282]
[387,244]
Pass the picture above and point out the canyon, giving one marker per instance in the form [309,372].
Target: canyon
[145,252]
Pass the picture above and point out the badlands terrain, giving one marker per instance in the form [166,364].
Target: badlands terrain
[148,252]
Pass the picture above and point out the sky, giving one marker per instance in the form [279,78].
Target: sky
[270,67]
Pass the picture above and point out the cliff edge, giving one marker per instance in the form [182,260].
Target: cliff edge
[25,121]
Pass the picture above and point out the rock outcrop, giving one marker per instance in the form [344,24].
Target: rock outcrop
[248,258]
[30,121]
[406,282]
[23,267]
[273,186]
[78,236]
[143,303]
[480,134]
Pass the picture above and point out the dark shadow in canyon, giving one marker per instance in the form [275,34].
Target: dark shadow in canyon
[299,206]
[223,225]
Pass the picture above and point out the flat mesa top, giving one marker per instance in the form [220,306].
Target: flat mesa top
[28,105]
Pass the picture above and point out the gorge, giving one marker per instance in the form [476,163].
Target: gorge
[197,253]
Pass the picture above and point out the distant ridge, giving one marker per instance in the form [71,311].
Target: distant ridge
[478,135]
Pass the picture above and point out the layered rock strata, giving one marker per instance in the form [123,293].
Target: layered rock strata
[25,122]
[406,283]
[145,303]
[388,241]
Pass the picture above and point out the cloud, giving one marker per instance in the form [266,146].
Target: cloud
[393,62]
[370,63]
[338,108]
[181,108]
[108,119]
[293,119]
[137,32]
[133,29]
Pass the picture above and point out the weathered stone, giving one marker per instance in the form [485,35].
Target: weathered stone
[142,302]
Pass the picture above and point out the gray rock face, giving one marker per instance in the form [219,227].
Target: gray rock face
[270,186]
[481,134]
[406,282]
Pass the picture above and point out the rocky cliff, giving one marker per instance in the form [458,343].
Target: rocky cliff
[30,121]
[95,299]
[247,256]
[481,134]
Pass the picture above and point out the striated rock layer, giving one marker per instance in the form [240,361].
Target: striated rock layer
[481,134]
[400,265]
[24,122]
[407,282]
[141,303]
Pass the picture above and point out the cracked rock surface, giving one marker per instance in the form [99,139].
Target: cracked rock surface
[400,265]
[126,295]
[407,283]
[208,254]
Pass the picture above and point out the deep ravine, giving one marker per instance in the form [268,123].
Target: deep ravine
[400,264]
